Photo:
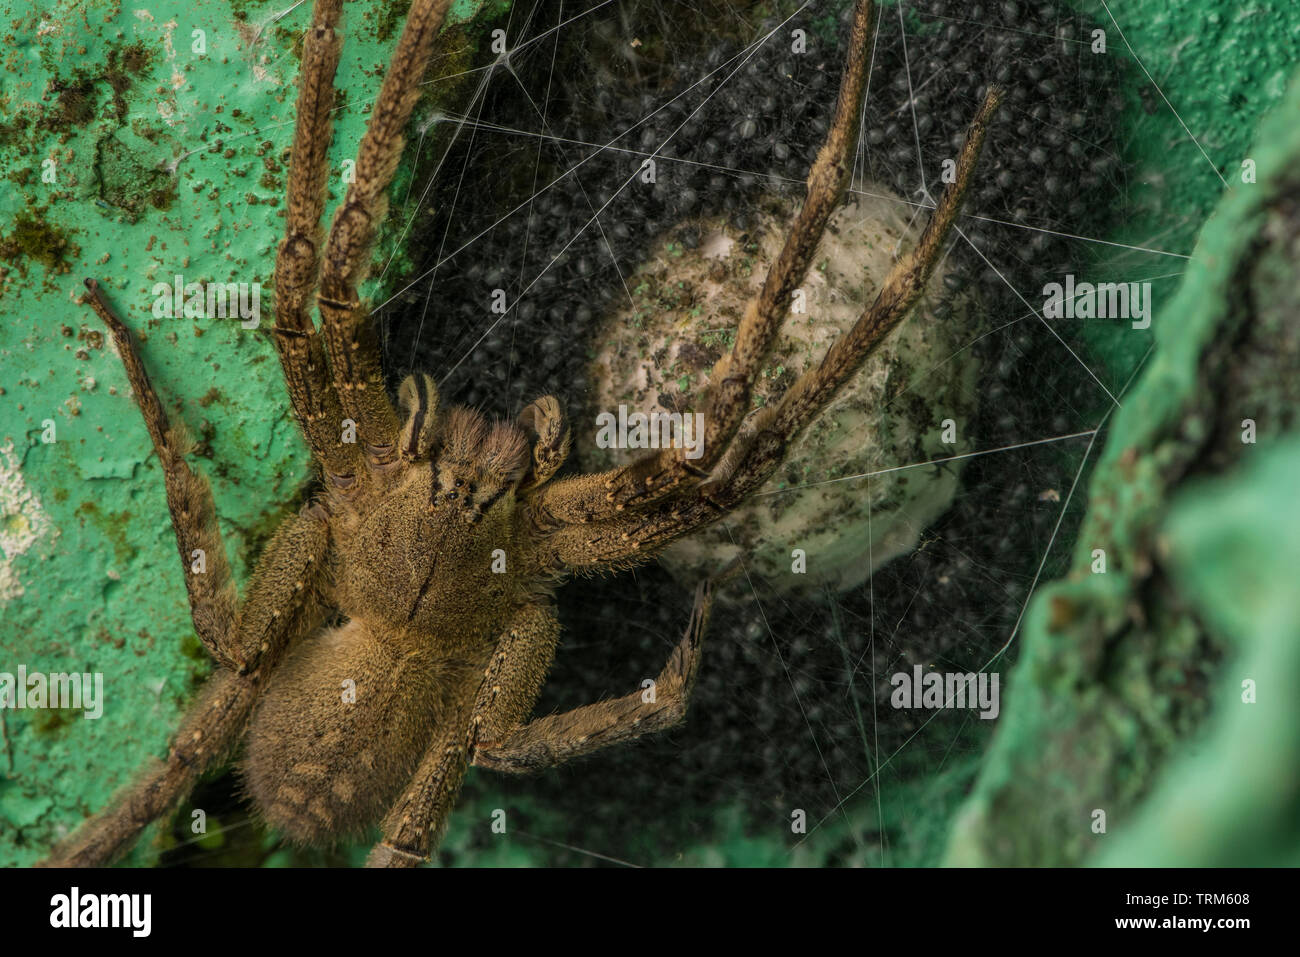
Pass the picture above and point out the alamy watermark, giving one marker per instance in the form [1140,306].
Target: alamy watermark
[1104,300]
[75,909]
[81,690]
[209,300]
[953,689]
[651,430]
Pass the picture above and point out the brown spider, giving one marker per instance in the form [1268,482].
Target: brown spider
[438,539]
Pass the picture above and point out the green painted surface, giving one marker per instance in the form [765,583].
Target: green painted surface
[1208,72]
[1233,799]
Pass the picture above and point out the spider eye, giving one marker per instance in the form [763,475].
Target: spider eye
[459,483]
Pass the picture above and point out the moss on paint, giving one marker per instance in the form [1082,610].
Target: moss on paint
[33,239]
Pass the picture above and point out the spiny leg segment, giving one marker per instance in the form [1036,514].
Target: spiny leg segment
[246,642]
[583,543]
[350,386]
[546,742]
[653,477]
[297,263]
[511,681]
[349,332]
[500,738]
[762,448]
[213,601]
[210,731]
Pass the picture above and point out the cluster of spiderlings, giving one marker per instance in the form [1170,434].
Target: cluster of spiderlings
[754,122]
[778,722]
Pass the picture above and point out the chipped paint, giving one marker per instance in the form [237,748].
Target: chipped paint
[23,522]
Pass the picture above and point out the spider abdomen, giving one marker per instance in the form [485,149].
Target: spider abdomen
[342,726]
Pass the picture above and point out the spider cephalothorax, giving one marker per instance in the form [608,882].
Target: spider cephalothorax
[318,766]
[398,629]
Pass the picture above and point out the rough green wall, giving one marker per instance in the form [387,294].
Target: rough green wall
[1234,798]
[1214,69]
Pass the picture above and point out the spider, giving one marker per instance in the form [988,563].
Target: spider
[398,629]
